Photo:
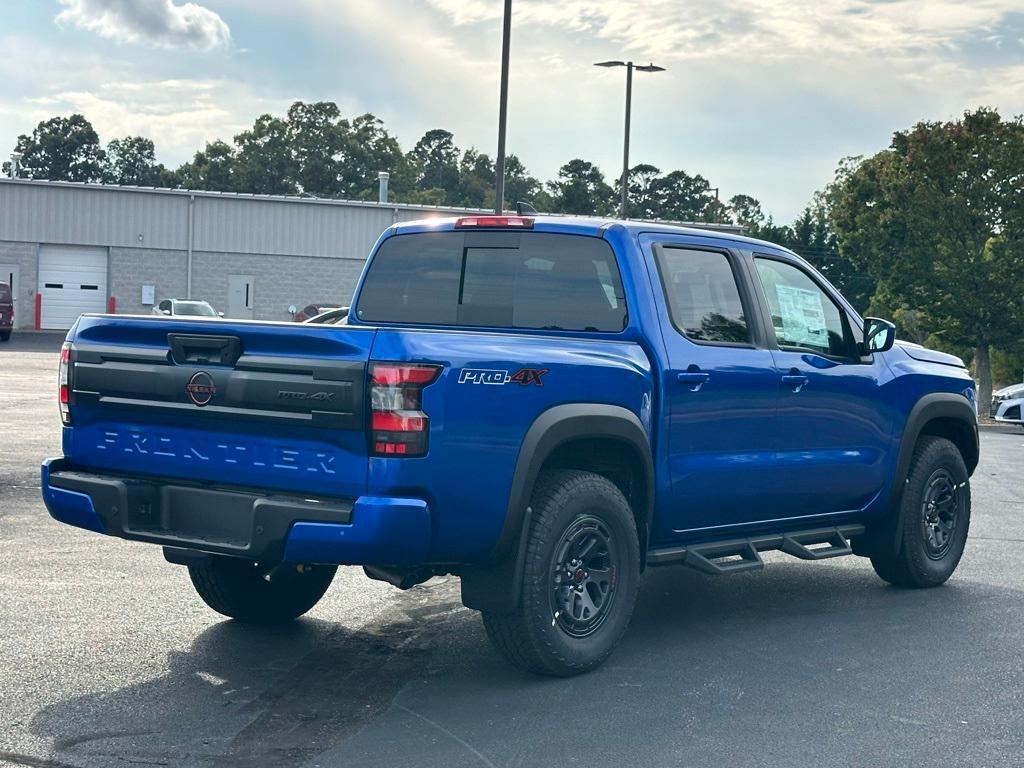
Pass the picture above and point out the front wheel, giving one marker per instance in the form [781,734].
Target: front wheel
[580,578]
[242,590]
[935,511]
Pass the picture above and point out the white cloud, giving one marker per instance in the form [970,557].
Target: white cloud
[159,22]
[180,115]
[670,29]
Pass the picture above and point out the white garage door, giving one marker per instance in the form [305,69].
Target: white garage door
[72,280]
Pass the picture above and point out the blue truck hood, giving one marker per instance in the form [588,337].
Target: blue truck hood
[924,354]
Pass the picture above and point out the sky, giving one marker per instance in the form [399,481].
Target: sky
[762,97]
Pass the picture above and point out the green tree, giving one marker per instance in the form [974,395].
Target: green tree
[938,220]
[476,180]
[436,160]
[520,186]
[745,211]
[264,164]
[644,201]
[132,160]
[316,139]
[61,149]
[682,197]
[370,150]
[580,188]
[213,168]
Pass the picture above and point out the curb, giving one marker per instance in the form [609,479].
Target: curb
[992,426]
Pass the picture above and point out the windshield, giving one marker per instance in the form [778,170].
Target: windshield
[194,309]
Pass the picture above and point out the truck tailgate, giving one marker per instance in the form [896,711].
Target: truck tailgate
[198,399]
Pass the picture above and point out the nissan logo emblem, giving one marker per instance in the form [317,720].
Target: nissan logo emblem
[200,388]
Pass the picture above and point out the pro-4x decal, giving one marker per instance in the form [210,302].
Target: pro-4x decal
[524,376]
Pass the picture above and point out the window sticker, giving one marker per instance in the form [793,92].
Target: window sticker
[803,316]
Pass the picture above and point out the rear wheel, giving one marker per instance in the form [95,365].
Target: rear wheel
[580,578]
[244,591]
[935,511]
[5,335]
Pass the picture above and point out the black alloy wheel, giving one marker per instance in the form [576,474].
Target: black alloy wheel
[583,577]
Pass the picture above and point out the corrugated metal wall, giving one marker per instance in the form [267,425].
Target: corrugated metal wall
[66,214]
[294,228]
[80,214]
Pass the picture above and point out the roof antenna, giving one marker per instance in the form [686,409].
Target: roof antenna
[523,208]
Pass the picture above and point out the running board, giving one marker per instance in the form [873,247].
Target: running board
[737,555]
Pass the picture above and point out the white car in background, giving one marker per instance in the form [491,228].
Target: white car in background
[1008,404]
[186,308]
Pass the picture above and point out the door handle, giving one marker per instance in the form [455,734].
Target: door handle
[795,380]
[696,379]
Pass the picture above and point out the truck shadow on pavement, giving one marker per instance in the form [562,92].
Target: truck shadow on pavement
[710,669]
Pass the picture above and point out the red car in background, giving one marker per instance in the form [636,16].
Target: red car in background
[6,312]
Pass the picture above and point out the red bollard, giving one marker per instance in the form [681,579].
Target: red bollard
[39,310]
[112,306]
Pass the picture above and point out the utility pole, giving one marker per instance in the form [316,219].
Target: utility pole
[499,165]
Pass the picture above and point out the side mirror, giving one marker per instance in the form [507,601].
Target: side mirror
[220,314]
[293,309]
[879,335]
[166,311]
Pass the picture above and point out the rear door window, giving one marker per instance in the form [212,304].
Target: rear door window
[531,280]
[5,293]
[703,296]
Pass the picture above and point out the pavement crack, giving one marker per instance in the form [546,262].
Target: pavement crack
[446,732]
[16,758]
[74,741]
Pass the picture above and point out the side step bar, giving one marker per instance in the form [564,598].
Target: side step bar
[737,555]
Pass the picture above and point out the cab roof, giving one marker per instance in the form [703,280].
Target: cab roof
[582,225]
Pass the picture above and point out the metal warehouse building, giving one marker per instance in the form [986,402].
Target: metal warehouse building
[70,248]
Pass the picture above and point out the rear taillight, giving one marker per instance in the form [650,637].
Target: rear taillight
[398,425]
[63,383]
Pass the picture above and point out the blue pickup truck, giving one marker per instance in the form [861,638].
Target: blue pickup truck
[543,406]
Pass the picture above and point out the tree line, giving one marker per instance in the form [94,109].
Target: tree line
[928,231]
[314,151]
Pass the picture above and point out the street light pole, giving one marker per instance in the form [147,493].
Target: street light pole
[499,164]
[625,143]
[630,66]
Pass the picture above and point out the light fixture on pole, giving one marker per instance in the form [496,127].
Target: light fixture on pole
[630,66]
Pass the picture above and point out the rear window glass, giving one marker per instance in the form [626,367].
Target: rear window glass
[530,280]
[5,293]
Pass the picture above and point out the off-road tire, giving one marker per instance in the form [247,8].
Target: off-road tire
[533,637]
[238,588]
[918,565]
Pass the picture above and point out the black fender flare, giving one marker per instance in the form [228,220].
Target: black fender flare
[887,532]
[495,586]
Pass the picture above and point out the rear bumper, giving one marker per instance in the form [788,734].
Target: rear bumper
[253,524]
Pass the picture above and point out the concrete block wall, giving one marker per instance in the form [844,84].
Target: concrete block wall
[26,257]
[131,268]
[278,281]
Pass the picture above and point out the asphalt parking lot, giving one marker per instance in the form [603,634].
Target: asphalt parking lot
[108,658]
